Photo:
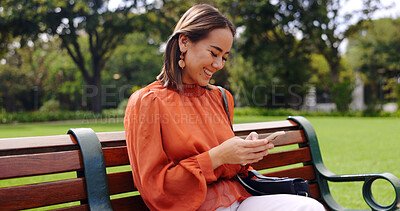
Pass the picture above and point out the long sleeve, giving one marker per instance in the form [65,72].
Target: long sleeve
[168,137]
[166,182]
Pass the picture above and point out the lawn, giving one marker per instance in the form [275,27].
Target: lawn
[348,145]
[58,128]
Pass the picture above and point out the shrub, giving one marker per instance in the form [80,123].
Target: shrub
[122,105]
[50,106]
[342,94]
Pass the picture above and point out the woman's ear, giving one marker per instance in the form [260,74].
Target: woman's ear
[183,41]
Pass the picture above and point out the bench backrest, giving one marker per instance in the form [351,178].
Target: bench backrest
[58,158]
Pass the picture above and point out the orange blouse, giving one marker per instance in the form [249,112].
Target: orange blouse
[168,136]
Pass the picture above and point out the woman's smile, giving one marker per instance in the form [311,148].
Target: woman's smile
[208,73]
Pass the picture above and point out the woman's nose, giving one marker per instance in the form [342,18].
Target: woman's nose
[218,64]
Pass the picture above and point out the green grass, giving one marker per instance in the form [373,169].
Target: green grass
[348,145]
[360,145]
[57,128]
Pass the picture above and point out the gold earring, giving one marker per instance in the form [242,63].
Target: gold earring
[181,62]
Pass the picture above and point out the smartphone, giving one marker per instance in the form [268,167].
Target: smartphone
[274,136]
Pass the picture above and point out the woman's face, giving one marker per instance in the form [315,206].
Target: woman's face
[205,57]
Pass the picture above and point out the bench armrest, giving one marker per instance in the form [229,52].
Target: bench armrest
[323,175]
[368,179]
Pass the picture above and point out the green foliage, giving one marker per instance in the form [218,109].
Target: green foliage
[61,79]
[271,65]
[122,105]
[136,62]
[102,29]
[274,58]
[42,72]
[375,55]
[342,94]
[46,72]
[247,84]
[253,111]
[50,106]
[45,116]
[321,76]
[15,86]
[398,92]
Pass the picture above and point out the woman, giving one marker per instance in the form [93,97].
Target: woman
[181,147]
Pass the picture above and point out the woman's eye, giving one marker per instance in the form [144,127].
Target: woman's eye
[215,55]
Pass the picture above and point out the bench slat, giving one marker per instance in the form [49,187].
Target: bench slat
[291,137]
[35,142]
[121,182]
[111,136]
[116,156]
[83,207]
[29,145]
[263,127]
[304,172]
[42,194]
[283,158]
[129,203]
[38,164]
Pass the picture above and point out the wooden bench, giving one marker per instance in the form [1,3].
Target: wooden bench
[57,160]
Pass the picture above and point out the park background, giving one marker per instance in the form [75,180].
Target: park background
[336,62]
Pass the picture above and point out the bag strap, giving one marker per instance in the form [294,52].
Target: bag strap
[222,90]
[94,169]
[245,185]
[255,173]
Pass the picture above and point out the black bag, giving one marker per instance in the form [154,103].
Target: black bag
[257,184]
[262,185]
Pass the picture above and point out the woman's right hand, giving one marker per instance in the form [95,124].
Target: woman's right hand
[238,151]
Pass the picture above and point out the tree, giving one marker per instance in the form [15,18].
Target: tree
[15,84]
[271,28]
[320,21]
[278,58]
[74,21]
[375,55]
[135,63]
[39,72]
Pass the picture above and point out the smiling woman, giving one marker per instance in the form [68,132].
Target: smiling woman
[182,150]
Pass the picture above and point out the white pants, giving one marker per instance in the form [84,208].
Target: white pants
[279,202]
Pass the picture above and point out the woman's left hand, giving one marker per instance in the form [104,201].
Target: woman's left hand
[238,151]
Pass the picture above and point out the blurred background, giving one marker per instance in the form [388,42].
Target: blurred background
[80,58]
[336,62]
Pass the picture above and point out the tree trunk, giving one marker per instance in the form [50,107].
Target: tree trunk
[334,66]
[97,104]
[333,58]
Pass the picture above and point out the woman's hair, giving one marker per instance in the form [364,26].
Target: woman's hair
[196,23]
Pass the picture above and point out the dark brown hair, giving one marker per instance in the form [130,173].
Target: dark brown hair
[196,23]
